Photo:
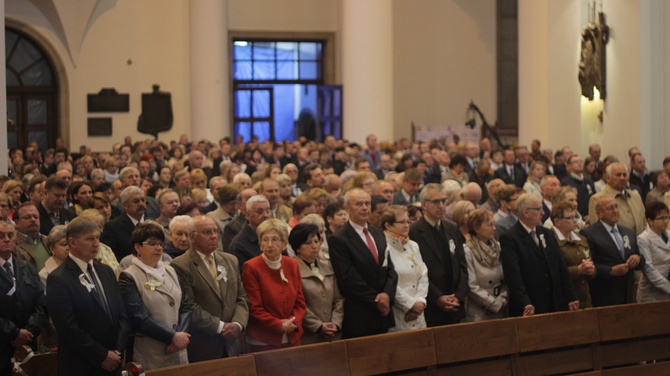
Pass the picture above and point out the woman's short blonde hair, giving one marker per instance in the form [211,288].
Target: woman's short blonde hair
[275,225]
[458,213]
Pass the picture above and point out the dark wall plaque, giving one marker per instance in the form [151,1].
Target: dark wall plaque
[108,100]
[99,126]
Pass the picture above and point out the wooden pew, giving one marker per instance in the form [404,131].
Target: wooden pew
[633,333]
[322,358]
[550,344]
[243,365]
[481,348]
[38,365]
[391,352]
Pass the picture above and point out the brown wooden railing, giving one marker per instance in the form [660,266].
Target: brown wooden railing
[622,340]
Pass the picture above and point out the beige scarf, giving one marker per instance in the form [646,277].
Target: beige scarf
[488,254]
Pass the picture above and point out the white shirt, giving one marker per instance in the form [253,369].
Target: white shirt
[359,230]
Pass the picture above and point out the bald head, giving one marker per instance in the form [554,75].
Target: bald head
[472,192]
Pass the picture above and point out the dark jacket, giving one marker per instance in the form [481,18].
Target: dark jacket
[447,269]
[535,274]
[361,279]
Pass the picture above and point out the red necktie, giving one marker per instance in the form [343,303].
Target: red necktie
[371,245]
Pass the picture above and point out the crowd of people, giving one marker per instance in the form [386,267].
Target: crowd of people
[192,251]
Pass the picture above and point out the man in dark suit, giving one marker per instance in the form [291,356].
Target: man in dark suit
[86,308]
[443,253]
[116,233]
[245,244]
[384,166]
[409,193]
[537,277]
[220,310]
[364,272]
[482,176]
[130,176]
[615,253]
[235,226]
[22,305]
[51,208]
[583,184]
[509,172]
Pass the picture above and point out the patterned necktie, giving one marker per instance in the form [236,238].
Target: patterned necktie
[98,289]
[371,244]
[8,269]
[619,240]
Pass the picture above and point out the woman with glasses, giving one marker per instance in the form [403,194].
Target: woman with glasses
[574,249]
[488,296]
[412,289]
[654,247]
[153,297]
[274,289]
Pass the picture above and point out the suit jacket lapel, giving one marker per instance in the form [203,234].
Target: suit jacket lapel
[358,243]
[203,270]
[73,268]
[608,238]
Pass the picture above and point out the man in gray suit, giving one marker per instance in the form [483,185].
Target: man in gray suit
[211,281]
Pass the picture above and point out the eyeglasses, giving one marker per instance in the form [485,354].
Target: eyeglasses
[153,244]
[438,201]
[404,222]
[538,208]
[662,218]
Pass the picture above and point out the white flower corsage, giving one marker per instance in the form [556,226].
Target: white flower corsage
[587,253]
[544,243]
[452,246]
[626,242]
[152,284]
[223,273]
[84,281]
[283,276]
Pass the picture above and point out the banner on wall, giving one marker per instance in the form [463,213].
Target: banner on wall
[430,132]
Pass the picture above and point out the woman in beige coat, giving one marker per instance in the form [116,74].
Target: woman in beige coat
[158,311]
[325,304]
[488,295]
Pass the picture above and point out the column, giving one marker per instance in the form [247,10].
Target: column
[367,69]
[549,92]
[210,75]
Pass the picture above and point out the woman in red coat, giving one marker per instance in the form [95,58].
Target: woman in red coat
[274,289]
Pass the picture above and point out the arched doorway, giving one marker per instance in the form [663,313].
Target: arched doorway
[32,93]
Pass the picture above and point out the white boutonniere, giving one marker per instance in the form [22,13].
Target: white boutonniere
[223,273]
[587,253]
[626,242]
[151,284]
[544,243]
[588,188]
[452,246]
[283,276]
[84,281]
